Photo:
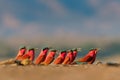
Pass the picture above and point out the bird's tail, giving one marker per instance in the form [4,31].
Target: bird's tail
[10,61]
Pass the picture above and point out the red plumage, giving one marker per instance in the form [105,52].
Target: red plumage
[21,52]
[75,52]
[90,57]
[50,57]
[29,55]
[68,58]
[41,57]
[60,58]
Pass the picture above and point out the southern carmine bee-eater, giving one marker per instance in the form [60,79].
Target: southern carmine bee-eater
[21,52]
[68,58]
[75,52]
[50,57]
[60,58]
[27,58]
[89,58]
[41,57]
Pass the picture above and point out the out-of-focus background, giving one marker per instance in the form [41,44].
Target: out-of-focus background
[61,24]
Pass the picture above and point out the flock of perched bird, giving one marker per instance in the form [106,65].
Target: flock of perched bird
[47,56]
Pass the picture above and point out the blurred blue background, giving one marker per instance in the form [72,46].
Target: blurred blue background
[60,23]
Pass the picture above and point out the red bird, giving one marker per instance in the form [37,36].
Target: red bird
[68,58]
[41,57]
[90,57]
[50,57]
[29,55]
[75,52]
[21,52]
[60,58]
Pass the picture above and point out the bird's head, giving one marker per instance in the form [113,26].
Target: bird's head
[22,50]
[70,51]
[95,50]
[22,47]
[53,50]
[31,48]
[63,51]
[45,49]
[76,49]
[31,51]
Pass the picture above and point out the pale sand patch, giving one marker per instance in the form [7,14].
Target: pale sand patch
[52,72]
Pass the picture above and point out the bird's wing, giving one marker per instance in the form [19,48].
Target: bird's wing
[26,56]
[66,61]
[86,59]
[92,61]
[18,57]
[58,61]
[31,57]
[48,60]
[39,59]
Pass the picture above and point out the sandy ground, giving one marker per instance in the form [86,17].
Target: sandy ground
[52,72]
